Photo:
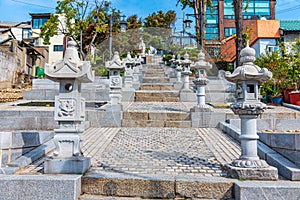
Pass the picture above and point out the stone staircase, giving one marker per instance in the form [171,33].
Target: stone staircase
[156,103]
[156,87]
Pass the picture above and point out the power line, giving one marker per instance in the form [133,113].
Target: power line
[32,4]
[289,9]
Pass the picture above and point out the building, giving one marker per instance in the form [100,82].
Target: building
[56,46]
[19,58]
[289,31]
[220,23]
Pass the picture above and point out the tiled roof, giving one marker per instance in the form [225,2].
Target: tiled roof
[290,25]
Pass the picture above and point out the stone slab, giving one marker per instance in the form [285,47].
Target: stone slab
[206,119]
[128,185]
[265,190]
[267,173]
[33,187]
[188,96]
[205,188]
[76,165]
[33,155]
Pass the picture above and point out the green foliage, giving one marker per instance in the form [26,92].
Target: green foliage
[161,19]
[285,67]
[72,18]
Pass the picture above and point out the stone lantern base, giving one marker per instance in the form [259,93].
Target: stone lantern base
[264,173]
[73,165]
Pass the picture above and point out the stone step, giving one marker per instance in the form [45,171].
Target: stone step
[155,187]
[156,99]
[162,119]
[157,93]
[164,116]
[156,123]
[155,80]
[157,86]
[157,96]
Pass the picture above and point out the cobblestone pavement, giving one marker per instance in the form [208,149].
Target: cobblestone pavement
[165,151]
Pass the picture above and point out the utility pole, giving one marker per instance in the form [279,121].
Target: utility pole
[110,36]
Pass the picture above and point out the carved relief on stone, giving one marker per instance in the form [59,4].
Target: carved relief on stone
[69,108]
[115,82]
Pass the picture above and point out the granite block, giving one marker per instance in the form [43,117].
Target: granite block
[33,187]
[285,167]
[205,188]
[127,185]
[5,140]
[74,165]
[22,139]
[282,140]
[265,190]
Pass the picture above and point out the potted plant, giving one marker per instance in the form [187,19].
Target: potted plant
[285,68]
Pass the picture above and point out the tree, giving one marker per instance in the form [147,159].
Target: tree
[77,17]
[199,7]
[133,22]
[238,13]
[161,19]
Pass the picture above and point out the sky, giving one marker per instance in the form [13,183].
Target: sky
[18,10]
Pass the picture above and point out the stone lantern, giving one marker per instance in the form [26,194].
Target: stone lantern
[186,94]
[248,78]
[69,112]
[178,83]
[136,73]
[172,75]
[115,67]
[200,80]
[128,90]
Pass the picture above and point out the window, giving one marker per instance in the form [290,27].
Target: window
[212,32]
[214,52]
[39,22]
[271,49]
[229,31]
[58,48]
[26,33]
[253,9]
[212,22]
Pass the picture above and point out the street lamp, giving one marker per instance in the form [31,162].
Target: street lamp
[123,26]
[187,23]
[200,23]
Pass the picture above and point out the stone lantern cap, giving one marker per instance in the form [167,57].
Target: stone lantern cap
[128,60]
[71,67]
[177,61]
[186,61]
[201,63]
[248,71]
[137,60]
[115,63]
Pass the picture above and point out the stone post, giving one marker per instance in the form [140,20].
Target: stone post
[115,67]
[248,78]
[136,74]
[128,90]
[186,94]
[201,81]
[69,113]
[172,75]
[178,83]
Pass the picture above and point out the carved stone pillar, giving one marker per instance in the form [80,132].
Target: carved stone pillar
[115,67]
[247,78]
[201,81]
[69,113]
